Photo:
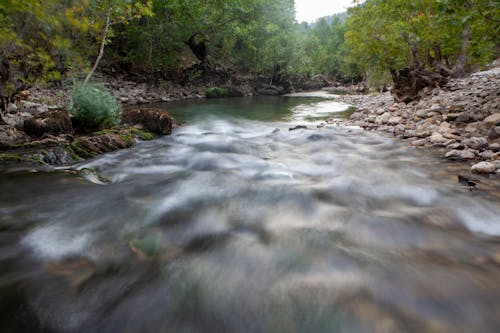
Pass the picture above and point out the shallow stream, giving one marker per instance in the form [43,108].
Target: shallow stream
[236,224]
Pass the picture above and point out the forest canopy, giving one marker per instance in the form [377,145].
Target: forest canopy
[47,41]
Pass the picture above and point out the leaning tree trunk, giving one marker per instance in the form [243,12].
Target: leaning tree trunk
[460,66]
[101,50]
[411,84]
[200,51]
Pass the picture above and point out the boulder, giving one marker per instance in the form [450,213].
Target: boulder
[484,167]
[51,122]
[88,146]
[10,136]
[152,120]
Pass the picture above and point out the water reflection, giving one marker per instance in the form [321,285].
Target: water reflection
[238,225]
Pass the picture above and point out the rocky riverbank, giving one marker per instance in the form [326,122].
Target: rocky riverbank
[460,119]
[37,129]
[49,138]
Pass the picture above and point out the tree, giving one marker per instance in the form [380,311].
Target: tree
[112,12]
[424,40]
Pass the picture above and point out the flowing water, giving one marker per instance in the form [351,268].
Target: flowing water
[236,224]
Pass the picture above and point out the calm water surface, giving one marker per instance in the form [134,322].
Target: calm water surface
[236,224]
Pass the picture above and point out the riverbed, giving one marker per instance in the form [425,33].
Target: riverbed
[234,223]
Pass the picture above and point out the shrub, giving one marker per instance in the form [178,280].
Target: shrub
[94,108]
[216,92]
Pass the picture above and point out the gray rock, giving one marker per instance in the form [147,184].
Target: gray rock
[494,133]
[10,136]
[484,167]
[464,117]
[451,116]
[422,113]
[11,108]
[487,154]
[460,155]
[473,127]
[395,120]
[495,147]
[438,139]
[419,143]
[476,143]
[383,119]
[455,146]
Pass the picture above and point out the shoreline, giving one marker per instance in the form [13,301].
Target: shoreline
[460,121]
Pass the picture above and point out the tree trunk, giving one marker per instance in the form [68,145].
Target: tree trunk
[200,51]
[411,84]
[103,43]
[460,66]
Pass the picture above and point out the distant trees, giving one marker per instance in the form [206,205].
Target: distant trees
[447,36]
[47,40]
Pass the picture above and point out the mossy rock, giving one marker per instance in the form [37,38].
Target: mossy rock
[18,158]
[51,122]
[142,135]
[152,120]
[89,146]
[220,92]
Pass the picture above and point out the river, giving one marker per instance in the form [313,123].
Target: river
[236,224]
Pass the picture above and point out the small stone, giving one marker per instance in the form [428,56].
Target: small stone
[494,133]
[438,139]
[495,147]
[473,127]
[451,116]
[464,117]
[455,146]
[422,113]
[487,154]
[492,120]
[483,167]
[419,143]
[395,120]
[383,119]
[460,155]
[11,108]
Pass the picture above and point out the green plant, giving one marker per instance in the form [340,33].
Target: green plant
[216,92]
[94,108]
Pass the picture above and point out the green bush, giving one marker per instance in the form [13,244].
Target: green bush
[94,108]
[216,92]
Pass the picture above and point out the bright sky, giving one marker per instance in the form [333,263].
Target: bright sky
[310,10]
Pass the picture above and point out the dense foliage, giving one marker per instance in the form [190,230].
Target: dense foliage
[48,40]
[94,108]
